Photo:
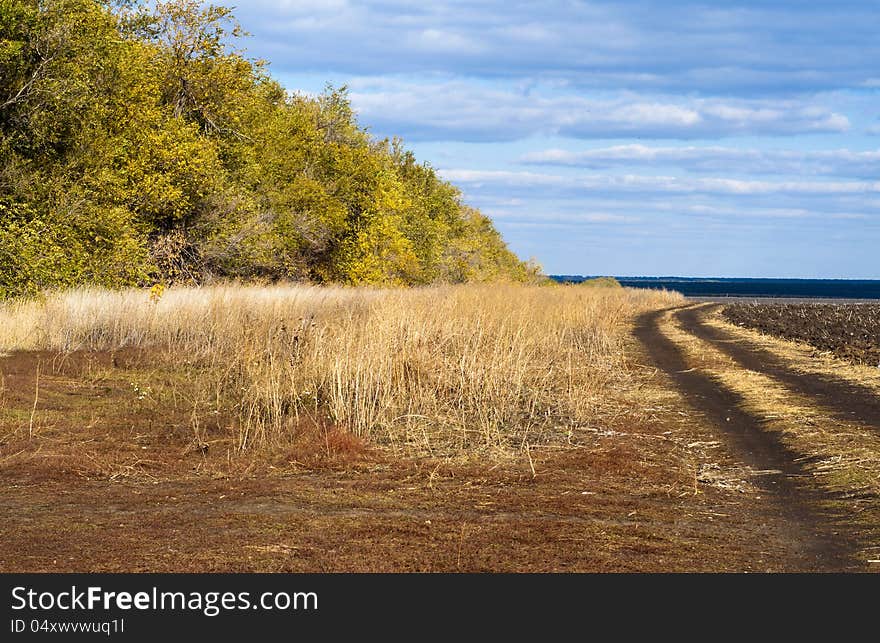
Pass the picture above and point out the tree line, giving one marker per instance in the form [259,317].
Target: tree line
[139,144]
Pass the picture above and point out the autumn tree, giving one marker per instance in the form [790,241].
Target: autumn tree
[138,143]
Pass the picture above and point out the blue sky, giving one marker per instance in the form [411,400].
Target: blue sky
[625,138]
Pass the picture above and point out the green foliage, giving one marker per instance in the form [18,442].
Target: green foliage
[600,282]
[139,145]
[70,243]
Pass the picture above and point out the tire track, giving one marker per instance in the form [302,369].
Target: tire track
[846,400]
[816,532]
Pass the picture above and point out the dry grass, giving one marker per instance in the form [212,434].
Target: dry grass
[436,369]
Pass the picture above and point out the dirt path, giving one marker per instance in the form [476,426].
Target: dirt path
[817,532]
[847,400]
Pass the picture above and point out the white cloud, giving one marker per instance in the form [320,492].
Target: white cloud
[440,42]
[840,162]
[470,111]
[655,114]
[659,184]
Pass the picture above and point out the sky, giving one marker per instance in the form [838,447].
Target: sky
[728,139]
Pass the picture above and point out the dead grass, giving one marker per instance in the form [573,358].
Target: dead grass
[435,370]
[129,469]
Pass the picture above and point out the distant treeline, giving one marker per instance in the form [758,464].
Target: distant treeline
[139,145]
[746,287]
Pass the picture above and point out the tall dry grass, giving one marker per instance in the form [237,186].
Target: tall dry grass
[437,369]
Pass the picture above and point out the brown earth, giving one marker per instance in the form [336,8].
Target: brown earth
[104,485]
[846,399]
[823,534]
[101,469]
[849,331]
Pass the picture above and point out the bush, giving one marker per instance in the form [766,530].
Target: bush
[138,144]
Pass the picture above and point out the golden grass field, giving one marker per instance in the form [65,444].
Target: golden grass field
[436,370]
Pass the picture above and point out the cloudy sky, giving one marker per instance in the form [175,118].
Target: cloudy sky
[628,138]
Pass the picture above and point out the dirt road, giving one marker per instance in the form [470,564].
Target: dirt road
[848,399]
[817,516]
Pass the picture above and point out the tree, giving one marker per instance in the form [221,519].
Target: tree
[138,144]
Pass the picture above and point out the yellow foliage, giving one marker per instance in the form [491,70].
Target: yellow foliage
[156,293]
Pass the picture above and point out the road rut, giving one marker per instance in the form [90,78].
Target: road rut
[819,534]
[846,400]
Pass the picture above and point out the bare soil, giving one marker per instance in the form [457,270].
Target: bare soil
[822,532]
[94,477]
[846,399]
[849,331]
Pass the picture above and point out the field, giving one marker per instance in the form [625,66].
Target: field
[471,428]
[849,331]
[438,371]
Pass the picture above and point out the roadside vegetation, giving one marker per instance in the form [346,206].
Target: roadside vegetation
[428,370]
